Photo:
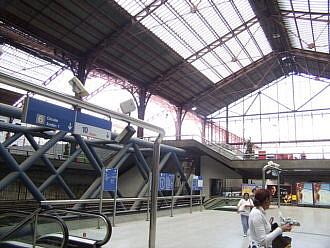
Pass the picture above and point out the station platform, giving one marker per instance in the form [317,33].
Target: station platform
[219,229]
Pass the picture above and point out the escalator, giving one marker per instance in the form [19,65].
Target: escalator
[54,228]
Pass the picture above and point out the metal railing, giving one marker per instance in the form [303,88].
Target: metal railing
[77,103]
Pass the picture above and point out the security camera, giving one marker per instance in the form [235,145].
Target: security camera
[78,87]
[127,107]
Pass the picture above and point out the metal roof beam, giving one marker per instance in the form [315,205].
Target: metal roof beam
[269,17]
[210,47]
[234,77]
[114,37]
[306,16]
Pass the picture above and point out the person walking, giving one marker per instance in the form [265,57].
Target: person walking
[243,208]
[261,235]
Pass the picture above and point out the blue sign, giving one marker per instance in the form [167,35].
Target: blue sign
[110,180]
[166,181]
[92,126]
[45,114]
[197,183]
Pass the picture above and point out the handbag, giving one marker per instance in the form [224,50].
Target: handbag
[280,241]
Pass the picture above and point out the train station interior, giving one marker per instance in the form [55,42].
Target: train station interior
[144,123]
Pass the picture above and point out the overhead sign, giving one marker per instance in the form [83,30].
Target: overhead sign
[166,181]
[41,113]
[197,183]
[110,180]
[92,126]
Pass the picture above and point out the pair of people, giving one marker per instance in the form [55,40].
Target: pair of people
[261,234]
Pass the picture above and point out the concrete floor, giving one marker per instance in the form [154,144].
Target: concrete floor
[219,229]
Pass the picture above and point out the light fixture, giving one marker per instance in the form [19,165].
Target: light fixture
[276,35]
[193,108]
[311,45]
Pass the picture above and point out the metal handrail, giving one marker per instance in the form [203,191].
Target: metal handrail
[98,215]
[33,217]
[86,201]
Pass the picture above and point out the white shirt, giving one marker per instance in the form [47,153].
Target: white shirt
[243,206]
[260,228]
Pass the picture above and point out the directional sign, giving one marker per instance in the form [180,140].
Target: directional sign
[45,114]
[166,181]
[92,126]
[197,183]
[110,180]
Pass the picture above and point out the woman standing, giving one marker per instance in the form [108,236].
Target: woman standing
[260,228]
[243,208]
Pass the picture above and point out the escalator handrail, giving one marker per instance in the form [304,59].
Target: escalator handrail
[31,218]
[99,215]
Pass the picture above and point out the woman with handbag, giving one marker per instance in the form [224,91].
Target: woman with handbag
[261,235]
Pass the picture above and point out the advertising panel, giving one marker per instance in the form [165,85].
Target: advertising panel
[285,192]
[305,193]
[247,188]
[321,194]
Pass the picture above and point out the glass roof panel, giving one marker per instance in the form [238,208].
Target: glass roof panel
[25,66]
[187,32]
[307,24]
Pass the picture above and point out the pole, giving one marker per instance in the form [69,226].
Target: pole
[191,192]
[115,204]
[101,195]
[172,202]
[154,192]
[200,200]
[278,189]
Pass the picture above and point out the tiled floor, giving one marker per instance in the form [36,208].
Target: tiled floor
[220,229]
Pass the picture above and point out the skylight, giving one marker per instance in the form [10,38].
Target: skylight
[307,23]
[188,31]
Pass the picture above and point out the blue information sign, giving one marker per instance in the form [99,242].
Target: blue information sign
[41,113]
[197,183]
[166,181]
[110,180]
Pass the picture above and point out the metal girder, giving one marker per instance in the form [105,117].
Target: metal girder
[63,166]
[144,189]
[180,170]
[116,162]
[317,56]
[233,77]
[306,16]
[17,172]
[210,47]
[26,164]
[51,167]
[114,37]
[88,153]
[269,17]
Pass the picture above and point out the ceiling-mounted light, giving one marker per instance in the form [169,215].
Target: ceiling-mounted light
[311,45]
[193,108]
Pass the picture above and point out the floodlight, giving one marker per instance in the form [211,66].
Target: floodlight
[125,135]
[128,106]
[78,87]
